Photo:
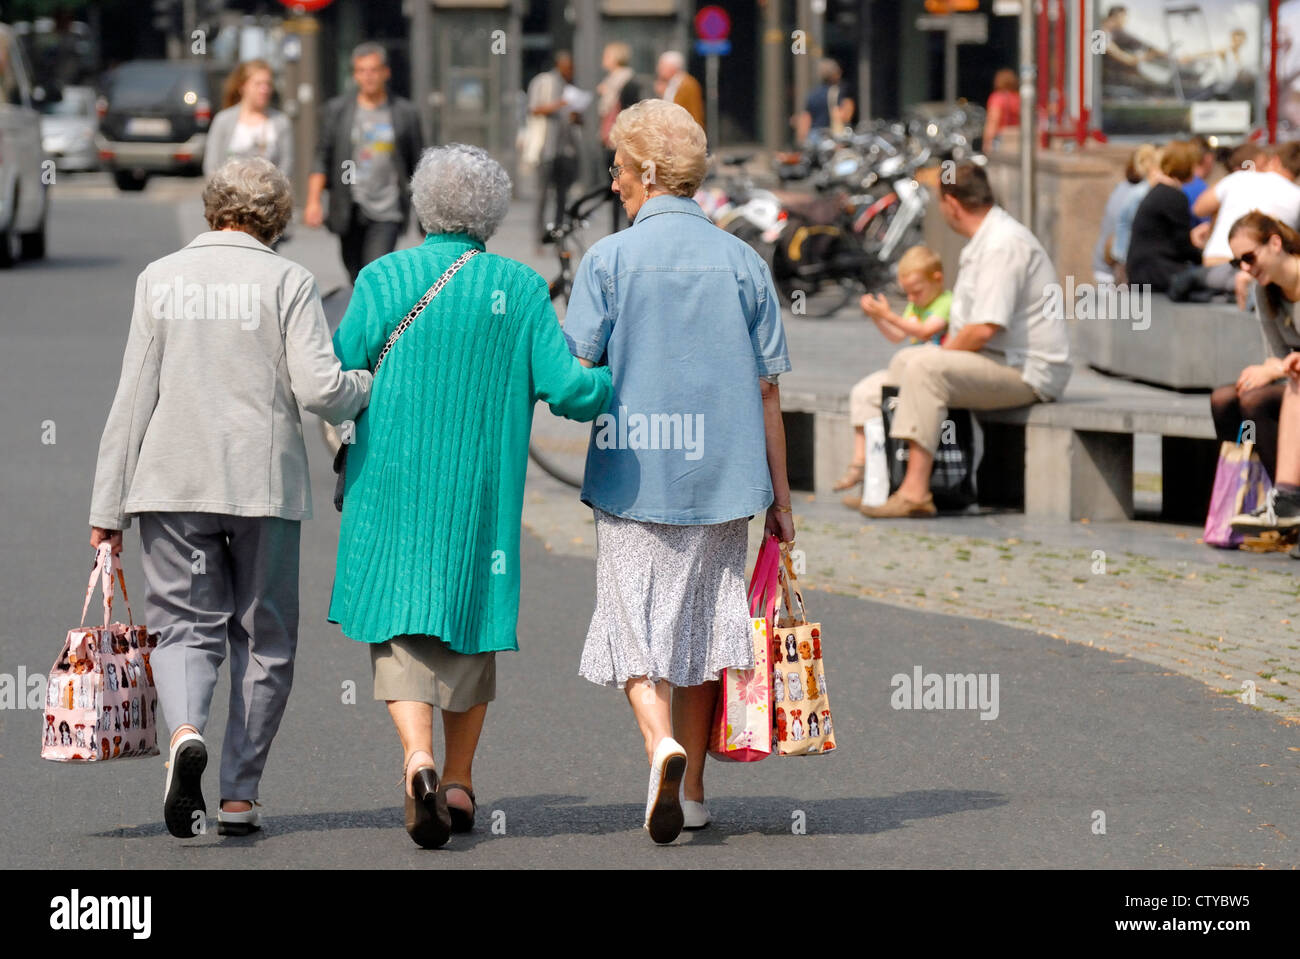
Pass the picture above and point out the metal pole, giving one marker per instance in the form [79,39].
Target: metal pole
[864,61]
[1272,72]
[774,46]
[586,74]
[422,64]
[1028,114]
[949,66]
[711,100]
[305,95]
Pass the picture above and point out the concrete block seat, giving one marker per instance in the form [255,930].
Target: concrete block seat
[1180,346]
[1067,460]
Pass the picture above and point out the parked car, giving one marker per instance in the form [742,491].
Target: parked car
[153,118]
[24,202]
[68,128]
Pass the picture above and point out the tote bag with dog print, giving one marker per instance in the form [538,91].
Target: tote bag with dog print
[100,700]
[742,724]
[801,714]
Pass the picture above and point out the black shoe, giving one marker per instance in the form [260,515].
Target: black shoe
[428,821]
[1278,511]
[183,797]
[461,820]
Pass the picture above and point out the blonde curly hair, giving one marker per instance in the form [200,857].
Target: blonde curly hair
[249,194]
[663,142]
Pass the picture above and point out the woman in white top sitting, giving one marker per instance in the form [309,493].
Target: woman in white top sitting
[247,125]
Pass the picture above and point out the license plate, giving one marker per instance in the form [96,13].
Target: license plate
[148,127]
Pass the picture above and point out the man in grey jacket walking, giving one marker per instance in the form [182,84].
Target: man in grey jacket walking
[369,145]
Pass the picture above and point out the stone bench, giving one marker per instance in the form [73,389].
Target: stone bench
[1180,346]
[1068,460]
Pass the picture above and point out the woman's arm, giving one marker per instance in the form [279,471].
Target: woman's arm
[780,518]
[318,380]
[572,386]
[214,153]
[128,418]
[283,143]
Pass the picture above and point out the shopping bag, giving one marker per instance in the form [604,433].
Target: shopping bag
[742,721]
[952,478]
[100,700]
[875,480]
[801,707]
[1240,484]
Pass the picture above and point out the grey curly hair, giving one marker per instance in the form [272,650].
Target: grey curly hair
[248,194]
[459,188]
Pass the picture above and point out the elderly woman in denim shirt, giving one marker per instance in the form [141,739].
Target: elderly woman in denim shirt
[691,448]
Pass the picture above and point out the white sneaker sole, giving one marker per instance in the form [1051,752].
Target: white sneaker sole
[666,819]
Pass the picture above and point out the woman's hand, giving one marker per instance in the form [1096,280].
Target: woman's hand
[1200,235]
[1253,377]
[780,524]
[1291,365]
[112,536]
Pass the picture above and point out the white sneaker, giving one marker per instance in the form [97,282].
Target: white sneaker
[663,808]
[183,809]
[695,814]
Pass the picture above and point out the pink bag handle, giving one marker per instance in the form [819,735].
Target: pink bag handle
[763,584]
[106,564]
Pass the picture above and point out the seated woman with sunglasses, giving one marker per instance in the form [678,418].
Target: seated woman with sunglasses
[1269,252]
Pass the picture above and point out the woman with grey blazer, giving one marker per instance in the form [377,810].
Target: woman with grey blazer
[247,126]
[204,444]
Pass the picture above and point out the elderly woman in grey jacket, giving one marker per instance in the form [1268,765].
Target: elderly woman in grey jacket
[247,126]
[204,444]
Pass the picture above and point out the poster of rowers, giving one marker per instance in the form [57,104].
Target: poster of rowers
[1171,67]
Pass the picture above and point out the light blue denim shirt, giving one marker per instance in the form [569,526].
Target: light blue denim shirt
[688,320]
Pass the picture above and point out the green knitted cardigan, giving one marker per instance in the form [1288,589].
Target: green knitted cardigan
[429,543]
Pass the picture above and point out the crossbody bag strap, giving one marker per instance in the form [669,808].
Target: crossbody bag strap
[423,302]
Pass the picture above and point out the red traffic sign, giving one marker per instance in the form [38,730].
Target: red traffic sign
[712,23]
[306,6]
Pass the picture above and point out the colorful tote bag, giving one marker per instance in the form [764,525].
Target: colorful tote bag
[802,723]
[742,725]
[1240,484]
[100,697]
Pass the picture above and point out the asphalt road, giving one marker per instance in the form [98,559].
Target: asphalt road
[1182,777]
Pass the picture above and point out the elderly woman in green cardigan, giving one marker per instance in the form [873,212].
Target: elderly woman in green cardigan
[428,562]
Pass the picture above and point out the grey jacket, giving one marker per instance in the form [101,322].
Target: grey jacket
[227,338]
[223,128]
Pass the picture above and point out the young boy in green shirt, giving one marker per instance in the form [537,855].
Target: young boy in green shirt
[925,318]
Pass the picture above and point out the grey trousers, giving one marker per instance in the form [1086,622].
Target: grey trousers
[215,582]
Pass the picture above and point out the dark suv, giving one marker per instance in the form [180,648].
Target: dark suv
[154,118]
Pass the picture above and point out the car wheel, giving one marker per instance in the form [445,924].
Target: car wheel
[128,181]
[33,244]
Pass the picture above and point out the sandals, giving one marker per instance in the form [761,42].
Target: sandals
[428,821]
[852,477]
[461,821]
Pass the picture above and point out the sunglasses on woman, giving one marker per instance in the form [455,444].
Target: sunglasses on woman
[1247,259]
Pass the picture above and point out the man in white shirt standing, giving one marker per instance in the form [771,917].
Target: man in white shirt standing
[1006,346]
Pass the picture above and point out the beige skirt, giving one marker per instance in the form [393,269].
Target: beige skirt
[423,669]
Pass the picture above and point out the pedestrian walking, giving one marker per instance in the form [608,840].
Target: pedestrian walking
[247,125]
[616,92]
[1002,113]
[428,557]
[557,169]
[828,108]
[369,145]
[693,448]
[204,445]
[674,84]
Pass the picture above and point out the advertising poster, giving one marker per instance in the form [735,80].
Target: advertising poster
[1171,67]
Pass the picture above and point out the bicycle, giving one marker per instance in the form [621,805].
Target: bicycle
[567,239]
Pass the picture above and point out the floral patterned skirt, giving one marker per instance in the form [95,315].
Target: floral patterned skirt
[670,602]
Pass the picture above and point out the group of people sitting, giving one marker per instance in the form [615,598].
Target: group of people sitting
[1164,226]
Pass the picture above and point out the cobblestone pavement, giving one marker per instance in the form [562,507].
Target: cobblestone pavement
[1144,590]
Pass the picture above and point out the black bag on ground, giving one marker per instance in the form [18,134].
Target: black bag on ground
[952,480]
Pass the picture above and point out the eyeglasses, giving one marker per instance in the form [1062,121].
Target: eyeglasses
[615,171]
[1247,259]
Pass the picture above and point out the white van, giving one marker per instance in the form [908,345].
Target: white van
[24,202]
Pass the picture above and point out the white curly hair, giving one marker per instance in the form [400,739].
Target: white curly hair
[249,194]
[459,188]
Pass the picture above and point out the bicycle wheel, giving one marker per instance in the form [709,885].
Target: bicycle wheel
[558,445]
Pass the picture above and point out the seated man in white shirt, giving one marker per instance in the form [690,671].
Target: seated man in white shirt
[1007,346]
[1269,187]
